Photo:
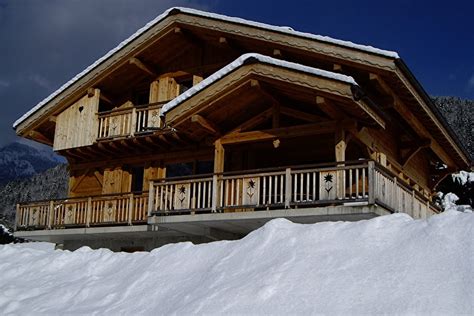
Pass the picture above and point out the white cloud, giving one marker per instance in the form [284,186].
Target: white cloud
[470,83]
[40,81]
[4,84]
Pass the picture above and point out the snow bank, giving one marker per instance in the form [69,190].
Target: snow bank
[391,265]
[463,177]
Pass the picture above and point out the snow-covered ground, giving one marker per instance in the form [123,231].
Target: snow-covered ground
[391,264]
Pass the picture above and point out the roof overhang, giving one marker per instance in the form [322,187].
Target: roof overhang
[152,31]
[249,69]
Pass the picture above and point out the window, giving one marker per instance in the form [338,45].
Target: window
[179,169]
[185,85]
[137,178]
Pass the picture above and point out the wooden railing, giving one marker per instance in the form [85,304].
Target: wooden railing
[347,183]
[284,187]
[397,196]
[302,186]
[129,121]
[122,209]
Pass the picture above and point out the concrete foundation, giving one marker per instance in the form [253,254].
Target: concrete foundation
[197,228]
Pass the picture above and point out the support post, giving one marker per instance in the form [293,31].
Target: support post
[371,181]
[89,211]
[130,209]
[395,195]
[287,187]
[50,214]
[340,154]
[133,122]
[17,216]
[215,192]
[219,154]
[151,197]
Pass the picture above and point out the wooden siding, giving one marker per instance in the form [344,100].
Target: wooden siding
[77,125]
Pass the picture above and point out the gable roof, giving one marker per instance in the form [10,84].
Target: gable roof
[246,58]
[175,10]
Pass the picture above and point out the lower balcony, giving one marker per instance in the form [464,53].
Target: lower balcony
[298,188]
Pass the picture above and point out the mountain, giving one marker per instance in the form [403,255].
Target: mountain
[49,184]
[459,114]
[20,160]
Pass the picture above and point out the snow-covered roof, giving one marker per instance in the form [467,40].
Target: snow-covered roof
[246,58]
[281,29]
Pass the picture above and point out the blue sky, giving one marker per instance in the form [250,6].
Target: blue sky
[45,43]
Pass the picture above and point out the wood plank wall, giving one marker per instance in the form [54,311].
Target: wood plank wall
[77,125]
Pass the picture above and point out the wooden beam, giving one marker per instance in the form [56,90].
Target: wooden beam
[337,67]
[223,40]
[102,95]
[423,143]
[254,83]
[219,154]
[205,123]
[340,144]
[99,177]
[404,111]
[340,155]
[275,115]
[40,137]
[53,119]
[141,65]
[304,116]
[407,157]
[78,181]
[371,113]
[254,121]
[287,132]
[101,146]
[328,107]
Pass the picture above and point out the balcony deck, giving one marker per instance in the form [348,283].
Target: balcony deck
[255,194]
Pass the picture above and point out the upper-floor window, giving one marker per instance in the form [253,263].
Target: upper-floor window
[184,84]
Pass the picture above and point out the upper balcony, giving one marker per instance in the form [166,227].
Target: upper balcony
[129,122]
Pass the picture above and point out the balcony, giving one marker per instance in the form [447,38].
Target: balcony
[351,184]
[130,121]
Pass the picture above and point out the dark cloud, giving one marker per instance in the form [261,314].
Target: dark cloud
[45,43]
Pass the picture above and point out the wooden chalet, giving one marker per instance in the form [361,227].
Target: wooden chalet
[203,127]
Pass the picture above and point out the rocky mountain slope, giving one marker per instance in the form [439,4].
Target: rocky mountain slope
[18,160]
[49,184]
[460,116]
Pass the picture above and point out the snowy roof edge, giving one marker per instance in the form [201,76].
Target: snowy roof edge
[237,20]
[245,58]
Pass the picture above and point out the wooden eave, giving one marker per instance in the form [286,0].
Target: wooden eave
[387,67]
[148,38]
[251,81]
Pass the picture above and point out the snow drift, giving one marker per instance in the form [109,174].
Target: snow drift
[390,264]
